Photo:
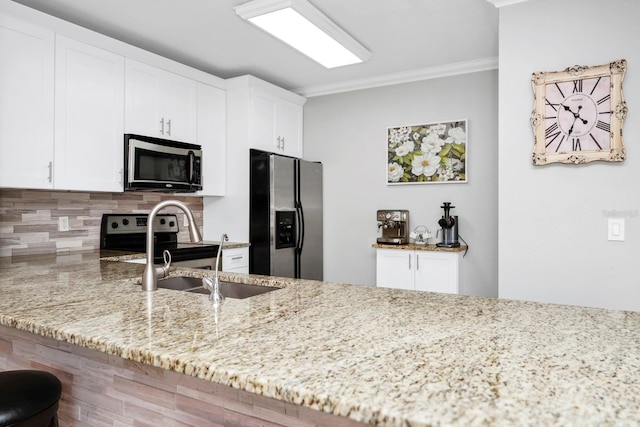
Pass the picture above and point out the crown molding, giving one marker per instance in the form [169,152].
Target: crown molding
[501,3]
[466,67]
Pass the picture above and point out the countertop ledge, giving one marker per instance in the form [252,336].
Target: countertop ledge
[414,247]
[381,356]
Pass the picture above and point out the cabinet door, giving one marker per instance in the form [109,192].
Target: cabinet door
[89,123]
[178,107]
[289,128]
[263,121]
[142,99]
[437,271]
[212,138]
[26,104]
[394,268]
[159,103]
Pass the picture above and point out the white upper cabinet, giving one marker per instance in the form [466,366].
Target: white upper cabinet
[89,117]
[276,123]
[159,103]
[26,104]
[212,138]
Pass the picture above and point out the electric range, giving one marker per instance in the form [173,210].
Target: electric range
[128,232]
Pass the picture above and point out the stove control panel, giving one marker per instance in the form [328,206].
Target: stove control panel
[131,223]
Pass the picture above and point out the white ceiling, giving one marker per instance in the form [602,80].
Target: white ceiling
[406,37]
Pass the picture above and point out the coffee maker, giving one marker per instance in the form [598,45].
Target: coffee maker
[449,229]
[393,227]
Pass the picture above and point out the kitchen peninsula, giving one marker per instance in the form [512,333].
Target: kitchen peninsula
[312,353]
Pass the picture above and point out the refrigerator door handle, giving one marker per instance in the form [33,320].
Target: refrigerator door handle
[300,213]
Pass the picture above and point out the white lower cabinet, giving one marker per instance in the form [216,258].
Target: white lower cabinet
[89,118]
[235,260]
[421,270]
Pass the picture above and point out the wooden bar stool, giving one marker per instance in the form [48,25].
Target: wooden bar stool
[29,399]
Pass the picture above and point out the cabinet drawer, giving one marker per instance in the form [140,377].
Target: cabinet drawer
[236,259]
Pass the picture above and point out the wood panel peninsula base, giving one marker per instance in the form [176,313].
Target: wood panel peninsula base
[105,390]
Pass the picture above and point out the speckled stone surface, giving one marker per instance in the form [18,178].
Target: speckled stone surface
[414,247]
[383,356]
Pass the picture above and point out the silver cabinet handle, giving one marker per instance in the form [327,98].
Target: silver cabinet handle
[162,126]
[409,261]
[237,257]
[50,166]
[169,127]
[417,262]
[283,143]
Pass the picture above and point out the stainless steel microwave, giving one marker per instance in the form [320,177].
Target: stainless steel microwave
[161,165]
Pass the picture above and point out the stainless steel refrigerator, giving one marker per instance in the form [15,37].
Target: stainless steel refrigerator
[285,221]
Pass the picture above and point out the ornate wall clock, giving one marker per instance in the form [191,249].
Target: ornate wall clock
[578,114]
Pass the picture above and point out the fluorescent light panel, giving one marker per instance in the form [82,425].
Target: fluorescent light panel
[305,28]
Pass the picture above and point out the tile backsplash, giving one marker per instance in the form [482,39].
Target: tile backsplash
[29,218]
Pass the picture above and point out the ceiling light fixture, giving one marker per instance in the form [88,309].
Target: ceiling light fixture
[299,24]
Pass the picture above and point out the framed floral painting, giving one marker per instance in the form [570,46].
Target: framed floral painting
[430,153]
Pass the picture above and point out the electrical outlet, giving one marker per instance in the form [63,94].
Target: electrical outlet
[63,223]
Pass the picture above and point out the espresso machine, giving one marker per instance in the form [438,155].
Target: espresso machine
[449,228]
[393,227]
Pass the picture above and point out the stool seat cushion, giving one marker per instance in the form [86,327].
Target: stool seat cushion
[25,393]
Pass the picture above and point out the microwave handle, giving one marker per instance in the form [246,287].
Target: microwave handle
[192,162]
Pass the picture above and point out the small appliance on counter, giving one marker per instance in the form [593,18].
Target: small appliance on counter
[393,227]
[420,235]
[449,228]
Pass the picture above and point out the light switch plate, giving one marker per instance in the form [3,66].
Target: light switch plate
[616,229]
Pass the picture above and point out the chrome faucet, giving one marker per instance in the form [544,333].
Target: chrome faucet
[151,273]
[215,296]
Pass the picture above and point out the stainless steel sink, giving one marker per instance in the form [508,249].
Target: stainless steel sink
[228,289]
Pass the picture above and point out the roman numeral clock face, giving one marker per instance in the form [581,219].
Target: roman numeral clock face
[578,115]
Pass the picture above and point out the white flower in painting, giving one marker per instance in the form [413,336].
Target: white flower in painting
[395,172]
[431,143]
[416,136]
[426,164]
[445,174]
[395,137]
[398,136]
[453,164]
[437,129]
[458,134]
[405,148]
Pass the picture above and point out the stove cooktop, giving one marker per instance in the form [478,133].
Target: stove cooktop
[128,232]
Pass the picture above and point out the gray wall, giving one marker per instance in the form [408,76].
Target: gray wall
[347,132]
[553,219]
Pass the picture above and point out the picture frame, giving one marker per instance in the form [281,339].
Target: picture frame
[578,114]
[431,153]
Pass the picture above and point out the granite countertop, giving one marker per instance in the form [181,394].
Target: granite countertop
[382,356]
[415,247]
